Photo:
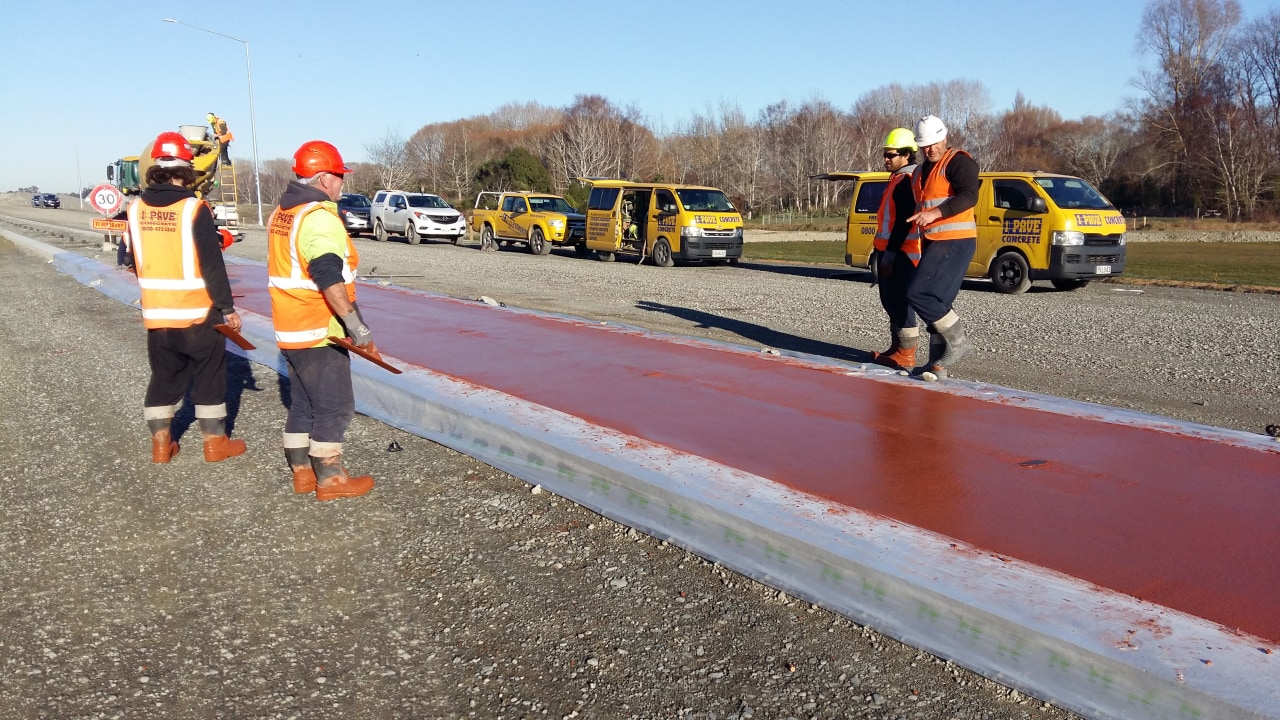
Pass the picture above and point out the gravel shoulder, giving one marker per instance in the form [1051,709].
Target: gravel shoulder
[452,590]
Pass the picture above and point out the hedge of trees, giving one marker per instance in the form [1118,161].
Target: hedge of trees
[1202,134]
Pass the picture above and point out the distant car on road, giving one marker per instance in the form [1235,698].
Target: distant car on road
[48,200]
[36,200]
[353,208]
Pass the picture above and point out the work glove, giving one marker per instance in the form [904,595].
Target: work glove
[359,333]
[886,263]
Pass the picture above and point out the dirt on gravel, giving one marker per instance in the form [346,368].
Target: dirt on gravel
[200,590]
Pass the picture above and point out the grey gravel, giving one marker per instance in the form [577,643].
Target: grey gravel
[453,590]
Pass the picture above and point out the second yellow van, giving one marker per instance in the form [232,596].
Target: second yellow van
[662,222]
[1031,226]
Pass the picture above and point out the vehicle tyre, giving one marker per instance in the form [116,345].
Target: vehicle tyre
[581,249]
[487,243]
[605,256]
[1010,273]
[662,253]
[411,233]
[734,261]
[1070,283]
[455,239]
[538,244]
[873,263]
[379,232]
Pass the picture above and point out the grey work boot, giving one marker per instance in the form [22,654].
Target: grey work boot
[955,346]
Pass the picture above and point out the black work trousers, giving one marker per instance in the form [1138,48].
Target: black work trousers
[194,357]
[938,277]
[322,402]
[893,291]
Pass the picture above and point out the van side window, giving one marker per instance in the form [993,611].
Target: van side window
[869,194]
[603,198]
[666,201]
[1012,195]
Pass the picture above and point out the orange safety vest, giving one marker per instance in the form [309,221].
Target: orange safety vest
[887,218]
[220,130]
[298,309]
[164,253]
[937,190]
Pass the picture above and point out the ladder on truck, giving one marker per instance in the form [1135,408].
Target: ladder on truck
[224,196]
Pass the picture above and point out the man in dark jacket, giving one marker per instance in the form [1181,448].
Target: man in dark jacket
[175,249]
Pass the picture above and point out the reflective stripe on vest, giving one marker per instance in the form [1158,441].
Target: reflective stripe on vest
[936,191]
[164,252]
[298,308]
[887,219]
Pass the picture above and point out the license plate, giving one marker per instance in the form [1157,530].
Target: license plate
[718,253]
[1104,270]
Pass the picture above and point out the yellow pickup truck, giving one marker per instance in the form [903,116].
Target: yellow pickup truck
[536,220]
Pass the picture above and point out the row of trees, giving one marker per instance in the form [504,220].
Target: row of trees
[1204,133]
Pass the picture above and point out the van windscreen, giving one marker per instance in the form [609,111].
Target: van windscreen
[1074,194]
[704,200]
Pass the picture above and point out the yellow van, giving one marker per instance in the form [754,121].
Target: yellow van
[1031,226]
[663,222]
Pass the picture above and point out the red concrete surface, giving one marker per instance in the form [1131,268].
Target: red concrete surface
[1180,521]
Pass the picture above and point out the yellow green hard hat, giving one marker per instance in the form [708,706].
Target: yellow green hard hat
[900,138]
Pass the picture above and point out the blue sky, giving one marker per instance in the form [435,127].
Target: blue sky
[82,83]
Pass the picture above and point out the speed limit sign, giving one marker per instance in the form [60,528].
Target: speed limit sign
[106,199]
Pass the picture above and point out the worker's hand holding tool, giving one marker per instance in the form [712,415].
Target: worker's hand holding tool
[233,320]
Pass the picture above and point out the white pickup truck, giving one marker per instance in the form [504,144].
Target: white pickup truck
[416,216]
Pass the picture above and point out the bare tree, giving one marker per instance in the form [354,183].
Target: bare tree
[392,159]
[1091,147]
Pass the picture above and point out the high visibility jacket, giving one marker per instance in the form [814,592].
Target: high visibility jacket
[164,253]
[888,217]
[220,130]
[298,309]
[936,191]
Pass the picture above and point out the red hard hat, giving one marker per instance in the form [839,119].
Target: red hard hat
[171,145]
[317,156]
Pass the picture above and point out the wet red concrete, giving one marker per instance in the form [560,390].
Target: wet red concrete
[1184,522]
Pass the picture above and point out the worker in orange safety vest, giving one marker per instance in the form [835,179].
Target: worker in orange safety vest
[223,135]
[897,244]
[311,268]
[945,185]
[175,249]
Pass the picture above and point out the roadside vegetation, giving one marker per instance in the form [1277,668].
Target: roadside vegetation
[1232,264]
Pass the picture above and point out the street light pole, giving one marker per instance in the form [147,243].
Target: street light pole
[253,125]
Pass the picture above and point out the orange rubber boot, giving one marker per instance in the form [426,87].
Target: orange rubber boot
[304,477]
[333,482]
[220,447]
[901,354]
[163,446]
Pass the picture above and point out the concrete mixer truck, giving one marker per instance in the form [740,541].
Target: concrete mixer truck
[217,185]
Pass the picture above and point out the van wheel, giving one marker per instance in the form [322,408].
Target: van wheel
[662,253]
[537,243]
[411,234]
[873,263]
[487,243]
[1010,273]
[1070,283]
[379,232]
[605,256]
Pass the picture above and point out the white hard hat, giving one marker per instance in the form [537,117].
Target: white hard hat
[930,130]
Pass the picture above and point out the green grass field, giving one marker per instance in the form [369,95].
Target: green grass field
[1255,264]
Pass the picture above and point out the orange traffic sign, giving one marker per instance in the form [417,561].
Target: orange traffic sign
[110,225]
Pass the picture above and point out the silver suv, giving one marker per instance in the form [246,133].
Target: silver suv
[416,216]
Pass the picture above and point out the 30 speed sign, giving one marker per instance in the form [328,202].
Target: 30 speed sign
[106,199]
